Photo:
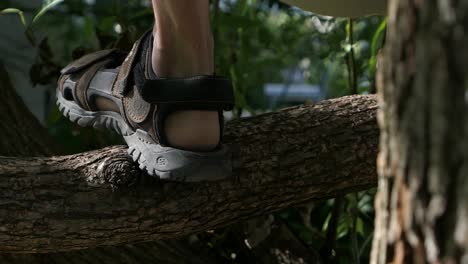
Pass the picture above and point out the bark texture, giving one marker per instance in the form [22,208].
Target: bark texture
[100,198]
[181,251]
[422,202]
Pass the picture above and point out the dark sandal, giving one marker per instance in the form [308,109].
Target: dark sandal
[139,102]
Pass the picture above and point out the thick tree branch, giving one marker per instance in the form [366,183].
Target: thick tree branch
[100,198]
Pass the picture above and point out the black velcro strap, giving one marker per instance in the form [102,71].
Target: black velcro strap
[212,91]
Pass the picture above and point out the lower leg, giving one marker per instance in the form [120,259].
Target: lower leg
[183,43]
[183,47]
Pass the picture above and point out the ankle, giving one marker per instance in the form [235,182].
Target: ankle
[177,53]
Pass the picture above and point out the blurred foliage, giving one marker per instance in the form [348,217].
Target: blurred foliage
[257,42]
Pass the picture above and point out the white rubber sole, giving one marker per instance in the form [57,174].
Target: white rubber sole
[163,162]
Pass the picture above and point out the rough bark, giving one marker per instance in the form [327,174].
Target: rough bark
[99,198]
[179,251]
[422,202]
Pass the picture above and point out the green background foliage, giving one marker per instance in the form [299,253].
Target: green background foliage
[255,43]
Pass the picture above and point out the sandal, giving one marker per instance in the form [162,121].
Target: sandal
[136,105]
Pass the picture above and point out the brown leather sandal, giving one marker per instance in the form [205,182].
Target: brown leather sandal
[137,103]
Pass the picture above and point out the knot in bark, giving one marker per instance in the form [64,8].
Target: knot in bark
[118,171]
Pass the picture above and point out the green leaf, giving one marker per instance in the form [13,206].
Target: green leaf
[378,34]
[326,223]
[106,24]
[45,8]
[15,11]
[375,45]
[344,225]
[360,226]
[245,7]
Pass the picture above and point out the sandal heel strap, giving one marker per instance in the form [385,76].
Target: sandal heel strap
[206,91]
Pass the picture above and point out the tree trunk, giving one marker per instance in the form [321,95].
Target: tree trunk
[99,198]
[422,202]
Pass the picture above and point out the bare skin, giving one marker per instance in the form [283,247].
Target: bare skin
[183,47]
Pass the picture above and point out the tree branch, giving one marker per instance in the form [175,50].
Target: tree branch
[100,198]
